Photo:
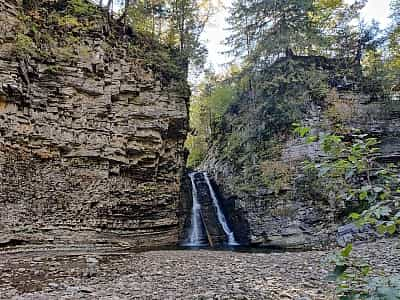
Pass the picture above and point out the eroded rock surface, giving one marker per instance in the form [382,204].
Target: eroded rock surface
[91,148]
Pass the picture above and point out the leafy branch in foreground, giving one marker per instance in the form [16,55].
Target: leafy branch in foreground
[369,189]
[355,279]
[351,170]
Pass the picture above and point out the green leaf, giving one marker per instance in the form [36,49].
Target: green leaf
[371,141]
[311,139]
[363,195]
[382,196]
[302,131]
[365,270]
[355,216]
[381,228]
[391,228]
[346,251]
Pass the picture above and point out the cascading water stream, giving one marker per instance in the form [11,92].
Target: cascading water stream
[196,233]
[197,237]
[220,215]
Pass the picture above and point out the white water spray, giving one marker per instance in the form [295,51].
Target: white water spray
[196,234]
[220,215]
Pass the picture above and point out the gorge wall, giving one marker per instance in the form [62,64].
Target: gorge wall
[257,161]
[91,136]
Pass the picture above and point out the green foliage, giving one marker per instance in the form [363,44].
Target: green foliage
[368,185]
[198,148]
[163,61]
[24,46]
[58,32]
[81,8]
[139,16]
[302,27]
[381,65]
[176,24]
[393,62]
[53,70]
[233,147]
[373,187]
[300,130]
[350,275]
[218,102]
[69,22]
[206,115]
[288,26]
[355,279]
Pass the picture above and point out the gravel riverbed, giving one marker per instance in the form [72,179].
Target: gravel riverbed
[179,274]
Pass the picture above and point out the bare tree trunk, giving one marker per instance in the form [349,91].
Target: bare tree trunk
[125,12]
[109,5]
[182,26]
[160,23]
[153,18]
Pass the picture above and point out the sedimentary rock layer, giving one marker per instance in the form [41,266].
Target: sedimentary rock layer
[91,150]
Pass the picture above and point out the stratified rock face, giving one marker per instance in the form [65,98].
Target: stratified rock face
[282,205]
[90,151]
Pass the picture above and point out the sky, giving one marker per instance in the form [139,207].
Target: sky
[215,34]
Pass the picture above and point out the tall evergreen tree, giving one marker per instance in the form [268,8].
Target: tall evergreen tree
[394,44]
[264,30]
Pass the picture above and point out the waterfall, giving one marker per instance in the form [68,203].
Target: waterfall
[220,214]
[206,208]
[196,233]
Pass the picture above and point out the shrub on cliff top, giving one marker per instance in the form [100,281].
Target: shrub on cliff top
[80,8]
[24,46]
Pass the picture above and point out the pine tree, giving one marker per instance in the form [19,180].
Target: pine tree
[393,63]
[264,30]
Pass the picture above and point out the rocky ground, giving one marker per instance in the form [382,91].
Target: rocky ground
[178,274]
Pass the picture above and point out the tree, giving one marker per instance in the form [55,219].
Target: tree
[177,23]
[393,61]
[188,20]
[264,30]
[272,28]
[208,106]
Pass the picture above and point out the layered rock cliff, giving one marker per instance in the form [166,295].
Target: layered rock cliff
[257,162]
[91,134]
